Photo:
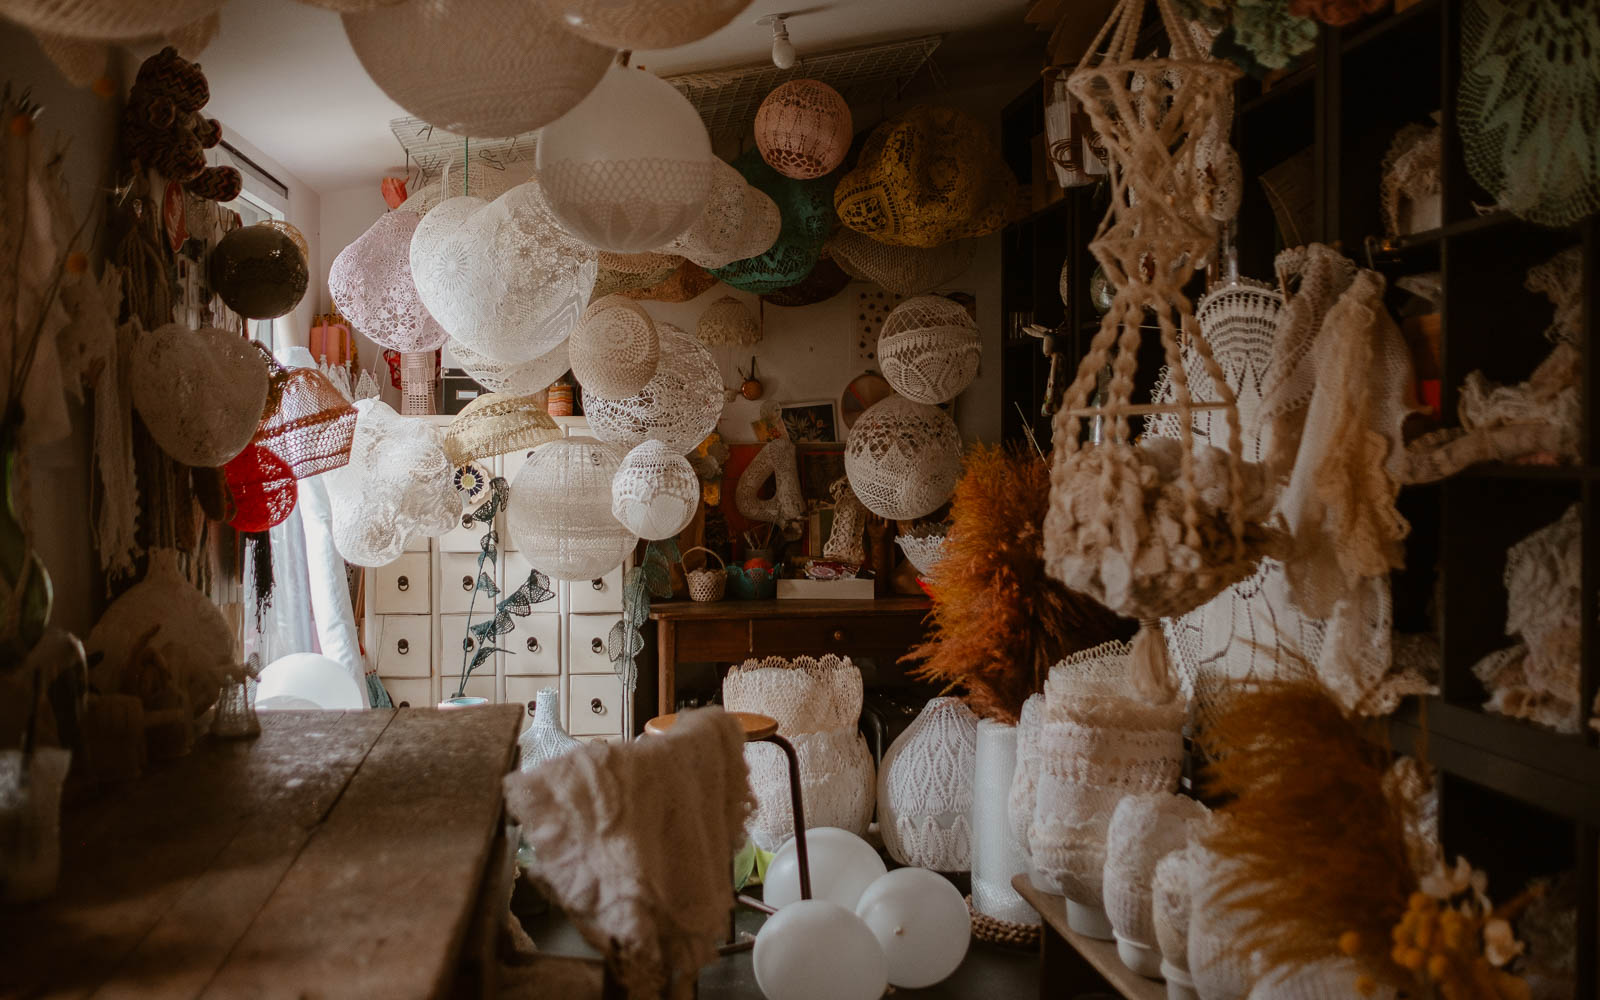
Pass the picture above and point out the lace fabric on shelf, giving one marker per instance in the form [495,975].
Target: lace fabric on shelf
[925,788]
[903,458]
[1411,175]
[1143,830]
[679,406]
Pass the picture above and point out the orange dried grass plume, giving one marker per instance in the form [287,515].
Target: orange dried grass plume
[999,622]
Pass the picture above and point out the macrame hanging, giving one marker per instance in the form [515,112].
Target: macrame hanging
[655,492]
[903,458]
[806,212]
[521,378]
[371,286]
[679,406]
[614,348]
[929,349]
[560,512]
[199,392]
[498,424]
[644,24]
[803,129]
[737,222]
[728,321]
[900,269]
[775,461]
[396,488]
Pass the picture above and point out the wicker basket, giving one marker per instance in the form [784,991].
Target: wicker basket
[706,584]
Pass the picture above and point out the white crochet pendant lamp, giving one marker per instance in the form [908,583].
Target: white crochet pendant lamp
[520,378]
[644,24]
[441,265]
[614,348]
[199,392]
[480,68]
[903,458]
[560,510]
[630,168]
[397,487]
[679,406]
[655,492]
[928,348]
[925,788]
[370,282]
[107,20]
[728,321]
[803,129]
[738,221]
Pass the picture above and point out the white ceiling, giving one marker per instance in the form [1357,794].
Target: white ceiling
[285,79]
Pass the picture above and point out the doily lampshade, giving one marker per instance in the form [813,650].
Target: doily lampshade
[310,423]
[679,406]
[262,489]
[826,280]
[903,458]
[519,378]
[805,211]
[728,321]
[259,272]
[498,424]
[370,282]
[738,222]
[929,349]
[614,348]
[480,179]
[644,24]
[925,788]
[107,20]
[199,392]
[441,264]
[1144,829]
[479,68]
[688,282]
[655,491]
[900,269]
[803,129]
[560,512]
[630,167]
[396,487]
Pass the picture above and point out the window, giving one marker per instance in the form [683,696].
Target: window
[262,197]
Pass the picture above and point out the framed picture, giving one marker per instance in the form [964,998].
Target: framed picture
[813,422]
[820,465]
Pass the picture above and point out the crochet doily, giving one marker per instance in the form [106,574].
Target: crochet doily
[903,458]
[679,406]
[614,349]
[1560,279]
[804,695]
[396,487]
[739,221]
[371,285]
[1144,829]
[805,210]
[929,349]
[925,788]
[803,129]
[199,392]
[560,511]
[836,784]
[655,492]
[900,269]
[923,549]
[1411,170]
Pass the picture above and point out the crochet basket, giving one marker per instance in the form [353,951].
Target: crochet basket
[706,584]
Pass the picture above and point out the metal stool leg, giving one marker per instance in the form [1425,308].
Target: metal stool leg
[799,812]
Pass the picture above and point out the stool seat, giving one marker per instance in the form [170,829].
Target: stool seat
[756,727]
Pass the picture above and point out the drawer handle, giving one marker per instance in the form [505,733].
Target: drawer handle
[466,644]
[533,644]
[597,584]
[404,704]
[402,647]
[466,583]
[466,520]
[596,707]
[838,635]
[531,706]
[404,583]
[597,645]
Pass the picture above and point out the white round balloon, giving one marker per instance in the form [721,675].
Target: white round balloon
[921,921]
[842,866]
[816,949]
[655,491]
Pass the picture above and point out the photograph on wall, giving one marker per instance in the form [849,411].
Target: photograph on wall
[811,422]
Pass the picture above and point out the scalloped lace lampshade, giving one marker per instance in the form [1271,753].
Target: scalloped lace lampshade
[396,487]
[629,168]
[728,321]
[498,424]
[108,20]
[518,378]
[614,349]
[737,222]
[310,425]
[560,511]
[679,406]
[803,129]
[644,24]
[925,788]
[903,458]
[655,492]
[199,392]
[929,349]
[899,269]
[480,68]
[923,549]
[370,282]
[805,211]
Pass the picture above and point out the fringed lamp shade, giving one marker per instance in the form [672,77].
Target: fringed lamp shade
[517,378]
[258,271]
[263,489]
[803,129]
[371,285]
[311,424]
[929,349]
[560,512]
[679,406]
[644,24]
[903,270]
[825,281]
[630,167]
[480,68]
[728,321]
[655,492]
[806,212]
[903,458]
[200,393]
[614,348]
[738,222]
[497,424]
[689,281]
[107,20]
[397,486]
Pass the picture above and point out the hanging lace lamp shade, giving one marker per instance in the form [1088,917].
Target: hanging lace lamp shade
[310,425]
[728,321]
[925,177]
[522,378]
[644,24]
[738,222]
[262,489]
[803,129]
[498,424]
[398,486]
[200,393]
[441,264]
[480,68]
[614,348]
[925,788]
[805,213]
[258,271]
[929,349]
[295,236]
[900,269]
[923,547]
[629,168]
[679,406]
[480,179]
[655,492]
[560,512]
[625,277]
[371,285]
[825,281]
[903,458]
[688,282]
[107,20]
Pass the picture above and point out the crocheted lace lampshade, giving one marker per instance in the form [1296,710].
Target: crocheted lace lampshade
[108,20]
[479,68]
[923,550]
[522,378]
[900,269]
[396,487]
[926,177]
[738,222]
[480,180]
[655,492]
[371,285]
[560,511]
[199,392]
[644,24]
[826,280]
[1169,912]
[803,695]
[728,321]
[624,272]
[1144,829]
[614,349]
[688,282]
[630,167]
[679,406]
[925,788]
[262,489]
[806,218]
[498,424]
[1214,963]
[929,349]
[258,271]
[803,129]
[310,425]
[903,458]
[295,236]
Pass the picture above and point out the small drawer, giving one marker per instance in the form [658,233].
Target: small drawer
[533,645]
[404,645]
[608,738]
[417,543]
[603,593]
[415,692]
[458,575]
[402,586]
[846,635]
[523,690]
[517,569]
[466,536]
[512,463]
[586,643]
[451,642]
[594,705]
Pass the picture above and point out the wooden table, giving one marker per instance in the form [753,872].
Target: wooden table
[339,855]
[1070,962]
[732,631]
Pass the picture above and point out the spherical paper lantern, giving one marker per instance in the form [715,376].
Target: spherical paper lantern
[655,492]
[560,511]
[899,269]
[372,287]
[644,24]
[679,406]
[200,393]
[738,222]
[805,211]
[925,788]
[498,424]
[480,68]
[259,272]
[397,486]
[922,923]
[614,348]
[728,321]
[107,20]
[263,489]
[803,129]
[630,167]
[842,866]
[903,458]
[929,349]
[521,378]
[817,948]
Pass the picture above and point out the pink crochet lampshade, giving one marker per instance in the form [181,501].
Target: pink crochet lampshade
[371,285]
[803,129]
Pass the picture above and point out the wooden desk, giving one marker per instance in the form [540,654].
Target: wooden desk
[338,855]
[1070,962]
[732,631]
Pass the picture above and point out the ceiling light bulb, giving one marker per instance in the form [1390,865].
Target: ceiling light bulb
[782,49]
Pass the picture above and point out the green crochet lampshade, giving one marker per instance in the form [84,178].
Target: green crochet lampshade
[825,281]
[806,211]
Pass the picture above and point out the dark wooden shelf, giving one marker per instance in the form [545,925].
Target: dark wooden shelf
[1387,25]
[1101,956]
[1284,88]
[1041,214]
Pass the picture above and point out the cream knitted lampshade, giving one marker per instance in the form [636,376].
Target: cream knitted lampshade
[1143,830]
[371,285]
[644,24]
[397,486]
[440,263]
[803,129]
[925,788]
[903,458]
[738,222]
[560,511]
[498,424]
[614,348]
[520,378]
[199,392]
[929,349]
[679,406]
[655,492]
[728,321]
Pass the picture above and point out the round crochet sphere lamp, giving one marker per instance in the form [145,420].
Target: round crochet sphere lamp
[371,285]
[108,20]
[817,948]
[679,406]
[397,487]
[644,24]
[511,67]
[560,511]
[440,265]
[629,168]
[655,492]
[903,458]
[805,212]
[688,282]
[925,788]
[803,129]
[738,222]
[842,866]
[521,378]
[928,347]
[199,392]
[728,321]
[258,271]
[921,921]
[899,269]
[498,424]
[614,349]
[262,488]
